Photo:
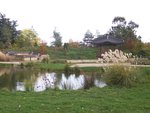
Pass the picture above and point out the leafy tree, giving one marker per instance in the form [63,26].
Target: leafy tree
[127,32]
[58,39]
[121,29]
[8,31]
[27,38]
[88,38]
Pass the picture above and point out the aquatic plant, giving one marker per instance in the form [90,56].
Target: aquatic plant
[76,70]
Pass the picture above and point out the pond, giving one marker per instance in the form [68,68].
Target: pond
[31,80]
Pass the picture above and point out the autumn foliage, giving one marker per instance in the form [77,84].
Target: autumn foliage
[42,48]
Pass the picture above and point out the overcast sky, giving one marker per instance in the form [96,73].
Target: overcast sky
[73,18]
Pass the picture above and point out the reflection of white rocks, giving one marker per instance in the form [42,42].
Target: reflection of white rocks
[20,86]
[99,83]
[45,81]
[71,82]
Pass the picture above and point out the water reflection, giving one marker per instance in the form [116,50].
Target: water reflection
[20,86]
[24,80]
[50,80]
[45,81]
[72,82]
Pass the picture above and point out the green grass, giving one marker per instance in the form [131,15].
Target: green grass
[48,66]
[61,66]
[94,100]
[60,53]
[72,53]
[6,65]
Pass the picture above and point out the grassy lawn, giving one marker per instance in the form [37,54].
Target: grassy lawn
[94,100]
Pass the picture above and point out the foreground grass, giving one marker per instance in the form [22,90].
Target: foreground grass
[94,100]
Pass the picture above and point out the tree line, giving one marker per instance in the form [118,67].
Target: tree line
[124,30]
[11,37]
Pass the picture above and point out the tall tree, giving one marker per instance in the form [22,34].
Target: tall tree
[126,31]
[8,31]
[58,39]
[122,29]
[88,37]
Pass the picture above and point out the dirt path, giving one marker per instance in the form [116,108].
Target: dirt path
[103,65]
[15,63]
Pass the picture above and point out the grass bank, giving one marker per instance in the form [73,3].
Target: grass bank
[60,53]
[72,53]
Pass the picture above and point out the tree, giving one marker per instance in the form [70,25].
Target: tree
[58,39]
[88,38]
[8,31]
[27,38]
[126,31]
[121,29]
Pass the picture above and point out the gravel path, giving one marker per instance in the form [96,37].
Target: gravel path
[103,65]
[15,63]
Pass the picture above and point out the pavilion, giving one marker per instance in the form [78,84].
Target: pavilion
[105,42]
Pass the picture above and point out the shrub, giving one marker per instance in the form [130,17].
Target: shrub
[22,65]
[77,70]
[88,82]
[120,75]
[58,61]
[29,64]
[45,60]
[68,70]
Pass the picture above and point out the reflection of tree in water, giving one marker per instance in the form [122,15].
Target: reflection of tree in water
[26,76]
[6,81]
[10,79]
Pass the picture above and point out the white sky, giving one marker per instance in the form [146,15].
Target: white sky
[73,18]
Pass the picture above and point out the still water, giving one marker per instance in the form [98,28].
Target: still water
[30,80]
